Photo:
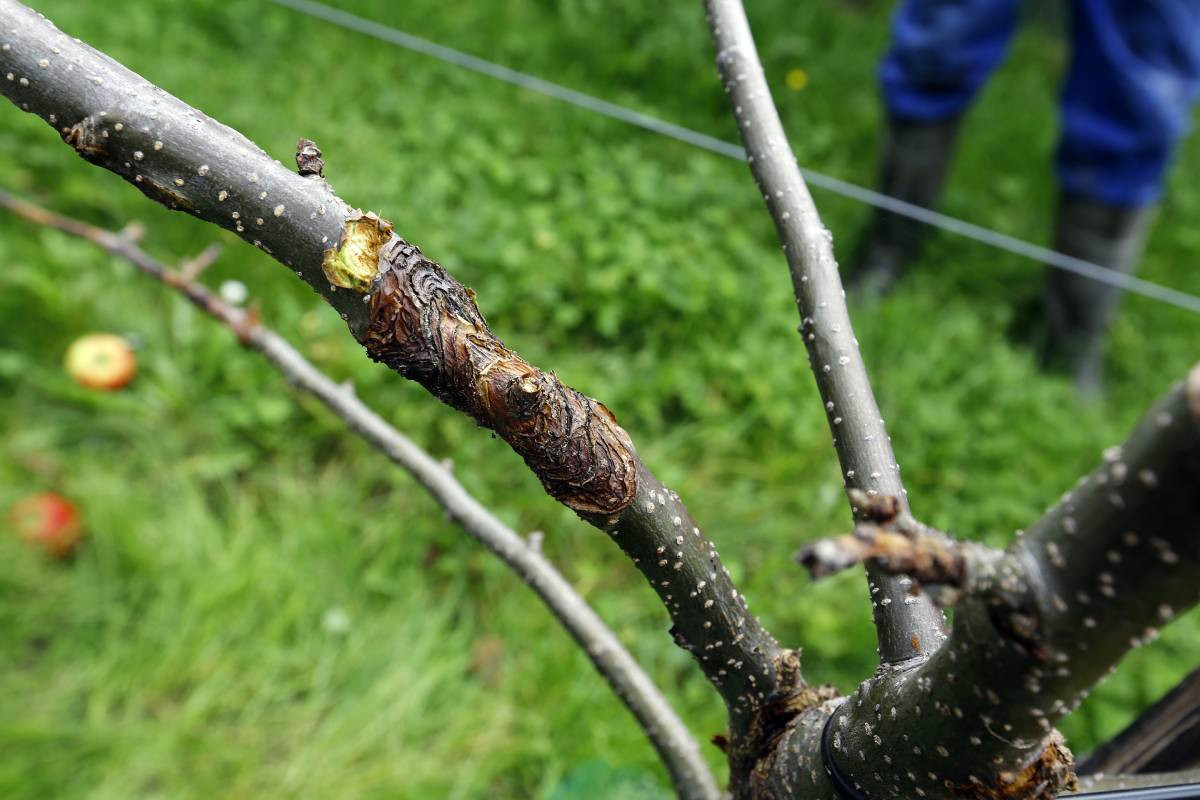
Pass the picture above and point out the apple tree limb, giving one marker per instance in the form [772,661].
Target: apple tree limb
[413,316]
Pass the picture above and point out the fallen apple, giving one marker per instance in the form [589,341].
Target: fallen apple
[47,521]
[101,361]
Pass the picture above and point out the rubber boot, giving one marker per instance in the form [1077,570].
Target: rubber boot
[916,160]
[1079,309]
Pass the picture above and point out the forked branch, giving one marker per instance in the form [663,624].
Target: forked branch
[1115,560]
[671,739]
[1037,626]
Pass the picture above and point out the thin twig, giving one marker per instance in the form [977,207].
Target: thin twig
[906,626]
[670,738]
[190,269]
[900,545]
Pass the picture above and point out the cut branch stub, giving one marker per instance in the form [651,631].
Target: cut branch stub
[354,263]
[308,158]
[426,326]
[898,544]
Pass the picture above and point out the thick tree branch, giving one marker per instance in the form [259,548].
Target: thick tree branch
[907,625]
[411,315]
[676,747]
[1117,558]
[1164,737]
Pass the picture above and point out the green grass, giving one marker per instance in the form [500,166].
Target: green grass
[184,654]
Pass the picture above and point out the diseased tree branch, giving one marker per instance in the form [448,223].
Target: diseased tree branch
[907,626]
[1037,625]
[671,739]
[1164,737]
[412,315]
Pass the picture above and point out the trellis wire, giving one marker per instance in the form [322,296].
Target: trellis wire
[969,230]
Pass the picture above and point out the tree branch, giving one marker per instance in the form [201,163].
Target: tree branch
[671,739]
[907,626]
[900,545]
[1116,559]
[1164,737]
[976,717]
[415,318]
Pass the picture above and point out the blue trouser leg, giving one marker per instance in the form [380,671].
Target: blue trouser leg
[1134,74]
[942,52]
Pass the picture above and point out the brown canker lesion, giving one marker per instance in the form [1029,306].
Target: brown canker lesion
[1045,778]
[427,326]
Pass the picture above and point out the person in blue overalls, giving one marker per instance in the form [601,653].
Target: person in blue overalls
[1133,77]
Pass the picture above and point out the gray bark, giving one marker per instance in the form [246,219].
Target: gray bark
[973,716]
[907,626]
[1115,560]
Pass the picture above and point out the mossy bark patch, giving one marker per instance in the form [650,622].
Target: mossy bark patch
[426,326]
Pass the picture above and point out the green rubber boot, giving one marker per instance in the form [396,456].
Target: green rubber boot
[916,160]
[1078,309]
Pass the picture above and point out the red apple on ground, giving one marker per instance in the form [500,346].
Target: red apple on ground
[47,521]
[101,361]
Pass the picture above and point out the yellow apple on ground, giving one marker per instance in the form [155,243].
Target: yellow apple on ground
[101,361]
[47,521]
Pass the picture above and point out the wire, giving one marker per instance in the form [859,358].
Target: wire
[1000,241]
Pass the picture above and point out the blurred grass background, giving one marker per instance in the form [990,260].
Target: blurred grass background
[265,608]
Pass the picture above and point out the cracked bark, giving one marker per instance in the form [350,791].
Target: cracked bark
[416,318]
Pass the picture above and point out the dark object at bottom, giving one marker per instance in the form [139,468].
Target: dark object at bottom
[1164,737]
